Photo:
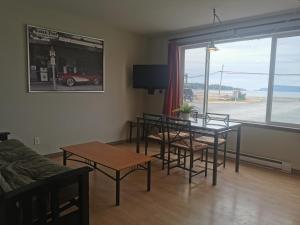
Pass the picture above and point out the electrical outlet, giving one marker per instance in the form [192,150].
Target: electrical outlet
[36,140]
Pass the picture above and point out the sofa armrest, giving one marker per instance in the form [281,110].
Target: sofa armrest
[4,136]
[20,201]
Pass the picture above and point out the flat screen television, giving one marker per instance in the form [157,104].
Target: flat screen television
[150,77]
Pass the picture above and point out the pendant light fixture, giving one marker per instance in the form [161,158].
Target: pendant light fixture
[211,46]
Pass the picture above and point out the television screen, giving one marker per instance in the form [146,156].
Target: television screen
[150,76]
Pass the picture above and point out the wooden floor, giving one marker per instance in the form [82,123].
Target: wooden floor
[254,196]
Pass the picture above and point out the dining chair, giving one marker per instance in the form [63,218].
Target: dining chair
[177,139]
[154,130]
[153,125]
[210,118]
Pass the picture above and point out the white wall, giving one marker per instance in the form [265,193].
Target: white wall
[268,143]
[66,118]
[157,54]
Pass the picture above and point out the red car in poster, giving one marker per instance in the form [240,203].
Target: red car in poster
[71,79]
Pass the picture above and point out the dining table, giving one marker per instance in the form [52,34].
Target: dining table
[214,128]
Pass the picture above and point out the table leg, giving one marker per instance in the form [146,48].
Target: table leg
[138,136]
[238,146]
[64,158]
[143,132]
[149,176]
[225,150]
[215,160]
[117,188]
[130,132]
[162,154]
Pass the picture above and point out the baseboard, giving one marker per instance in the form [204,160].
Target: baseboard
[248,158]
[117,142]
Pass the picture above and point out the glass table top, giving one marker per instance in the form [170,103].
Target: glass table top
[213,124]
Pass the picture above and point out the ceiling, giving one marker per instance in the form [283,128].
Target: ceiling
[157,16]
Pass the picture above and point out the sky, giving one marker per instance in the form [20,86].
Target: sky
[247,56]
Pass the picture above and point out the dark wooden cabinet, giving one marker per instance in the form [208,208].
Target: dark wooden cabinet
[4,136]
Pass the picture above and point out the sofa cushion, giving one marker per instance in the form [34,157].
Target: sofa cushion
[19,165]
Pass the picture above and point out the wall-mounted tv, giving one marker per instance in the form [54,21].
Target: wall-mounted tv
[150,77]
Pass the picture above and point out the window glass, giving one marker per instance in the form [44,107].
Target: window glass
[286,89]
[238,79]
[194,76]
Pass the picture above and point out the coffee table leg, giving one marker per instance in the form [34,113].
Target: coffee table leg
[64,158]
[130,131]
[117,188]
[149,176]
[138,136]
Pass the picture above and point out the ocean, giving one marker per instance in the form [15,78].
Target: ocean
[251,93]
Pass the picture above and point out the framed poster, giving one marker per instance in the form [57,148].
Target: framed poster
[64,62]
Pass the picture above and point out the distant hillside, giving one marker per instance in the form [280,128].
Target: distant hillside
[211,87]
[283,88]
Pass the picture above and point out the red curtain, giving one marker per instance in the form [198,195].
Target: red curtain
[172,97]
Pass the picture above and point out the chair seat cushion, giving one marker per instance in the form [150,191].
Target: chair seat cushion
[155,137]
[174,134]
[185,144]
[20,166]
[159,136]
[209,140]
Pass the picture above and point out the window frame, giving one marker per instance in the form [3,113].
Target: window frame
[268,113]
[275,38]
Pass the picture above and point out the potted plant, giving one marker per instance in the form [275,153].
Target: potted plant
[185,109]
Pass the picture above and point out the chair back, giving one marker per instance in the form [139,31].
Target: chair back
[210,117]
[178,130]
[153,124]
[194,114]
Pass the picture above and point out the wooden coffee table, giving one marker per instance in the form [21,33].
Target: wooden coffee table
[97,155]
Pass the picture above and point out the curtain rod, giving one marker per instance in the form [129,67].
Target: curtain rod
[233,29]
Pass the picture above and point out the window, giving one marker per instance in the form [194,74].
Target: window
[255,80]
[194,77]
[238,79]
[286,88]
